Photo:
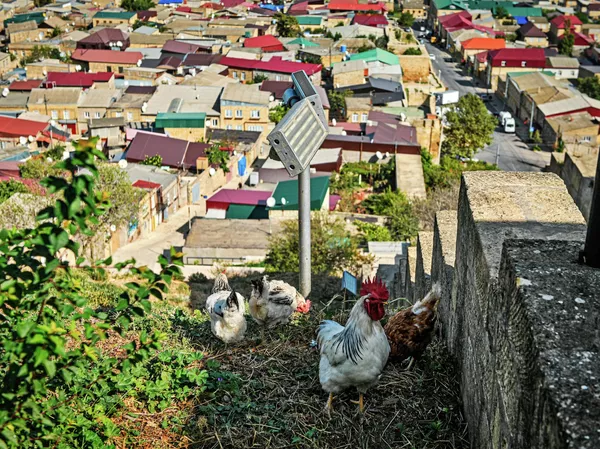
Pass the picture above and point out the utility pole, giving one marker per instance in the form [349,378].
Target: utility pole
[591,252]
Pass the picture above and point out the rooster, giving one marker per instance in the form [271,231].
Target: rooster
[355,355]
[411,330]
[227,320]
[273,302]
[220,292]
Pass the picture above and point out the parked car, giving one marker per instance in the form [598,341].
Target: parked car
[486,97]
[432,57]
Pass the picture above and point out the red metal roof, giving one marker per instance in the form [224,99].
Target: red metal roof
[275,64]
[231,3]
[175,153]
[560,21]
[15,127]
[24,86]
[78,79]
[370,20]
[455,19]
[180,47]
[265,42]
[484,43]
[231,196]
[345,5]
[277,88]
[140,183]
[581,39]
[115,57]
[514,57]
[183,9]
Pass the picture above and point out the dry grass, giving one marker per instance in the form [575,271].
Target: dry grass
[269,396]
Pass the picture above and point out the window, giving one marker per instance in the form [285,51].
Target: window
[586,139]
[120,69]
[239,127]
[503,64]
[215,122]
[235,75]
[255,128]
[363,117]
[66,115]
[54,115]
[129,116]
[243,76]
[86,115]
[228,113]
[118,114]
[255,114]
[96,115]
[229,127]
[239,113]
[109,68]
[354,117]
[559,72]
[277,78]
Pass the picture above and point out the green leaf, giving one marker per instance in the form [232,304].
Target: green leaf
[40,355]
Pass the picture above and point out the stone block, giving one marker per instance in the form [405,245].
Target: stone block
[423,268]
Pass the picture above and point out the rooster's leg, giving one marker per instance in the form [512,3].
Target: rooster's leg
[360,402]
[262,335]
[329,405]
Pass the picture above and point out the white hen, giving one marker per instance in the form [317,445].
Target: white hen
[355,355]
[220,292]
[227,320]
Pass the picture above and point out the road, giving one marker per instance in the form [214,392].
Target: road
[510,152]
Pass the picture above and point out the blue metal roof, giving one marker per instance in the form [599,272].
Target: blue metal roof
[170,2]
[521,20]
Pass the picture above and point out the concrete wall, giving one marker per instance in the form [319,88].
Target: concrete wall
[578,173]
[517,311]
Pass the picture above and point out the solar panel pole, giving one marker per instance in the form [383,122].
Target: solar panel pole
[304,230]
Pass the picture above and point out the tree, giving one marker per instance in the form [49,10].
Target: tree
[590,86]
[55,153]
[501,13]
[413,51]
[10,187]
[583,17]
[156,160]
[333,248]
[137,5]
[470,127]
[57,386]
[382,42]
[287,26]
[42,52]
[38,168]
[277,113]
[259,79]
[406,19]
[337,103]
[567,41]
[401,221]
[219,157]
[56,31]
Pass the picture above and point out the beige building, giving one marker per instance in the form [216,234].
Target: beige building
[129,106]
[59,103]
[6,63]
[24,32]
[93,104]
[244,108]
[417,8]
[349,73]
[579,128]
[112,19]
[357,109]
[185,98]
[39,70]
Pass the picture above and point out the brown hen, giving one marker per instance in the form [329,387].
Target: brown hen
[411,330]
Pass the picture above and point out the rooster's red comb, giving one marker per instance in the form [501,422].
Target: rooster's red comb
[376,288]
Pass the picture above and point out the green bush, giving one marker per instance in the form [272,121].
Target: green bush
[333,248]
[370,232]
[413,51]
[9,188]
[197,278]
[60,385]
[401,222]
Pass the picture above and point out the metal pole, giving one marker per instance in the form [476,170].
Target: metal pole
[497,154]
[591,252]
[304,229]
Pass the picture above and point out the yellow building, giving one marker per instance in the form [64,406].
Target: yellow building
[60,104]
[349,73]
[112,19]
[415,7]
[244,108]
[6,63]
[357,109]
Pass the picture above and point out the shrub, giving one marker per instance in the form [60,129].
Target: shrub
[10,187]
[58,387]
[197,278]
[155,160]
[413,51]
[401,222]
[370,232]
[333,248]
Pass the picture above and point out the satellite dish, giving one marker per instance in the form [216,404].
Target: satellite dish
[5,91]
[211,171]
[283,201]
[113,228]
[193,72]
[387,154]
[78,67]
[49,159]
[22,140]
[333,122]
[119,44]
[123,164]
[139,63]
[271,98]
[31,138]
[126,83]
[271,202]
[44,72]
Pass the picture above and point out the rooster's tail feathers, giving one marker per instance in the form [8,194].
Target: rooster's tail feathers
[326,330]
[432,298]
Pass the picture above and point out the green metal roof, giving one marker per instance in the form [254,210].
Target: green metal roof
[376,54]
[246,212]
[289,190]
[124,15]
[39,17]
[524,12]
[309,20]
[180,119]
[302,41]
[450,4]
[518,74]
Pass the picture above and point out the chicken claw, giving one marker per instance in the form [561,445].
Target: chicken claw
[360,402]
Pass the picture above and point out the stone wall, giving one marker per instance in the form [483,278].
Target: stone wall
[518,312]
[415,68]
[578,174]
